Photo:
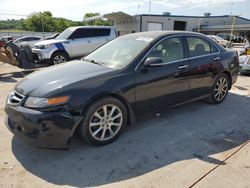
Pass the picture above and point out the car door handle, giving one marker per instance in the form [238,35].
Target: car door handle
[216,58]
[182,67]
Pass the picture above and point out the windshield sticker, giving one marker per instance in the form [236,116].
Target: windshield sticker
[144,39]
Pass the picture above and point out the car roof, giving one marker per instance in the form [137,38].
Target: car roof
[159,34]
[93,27]
[29,37]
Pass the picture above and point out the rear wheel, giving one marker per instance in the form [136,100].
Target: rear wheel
[59,57]
[104,121]
[220,89]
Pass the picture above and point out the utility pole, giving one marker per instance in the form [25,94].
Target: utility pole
[139,6]
[42,26]
[232,28]
[149,10]
[199,26]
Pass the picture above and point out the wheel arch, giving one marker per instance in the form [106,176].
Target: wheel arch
[229,76]
[130,111]
[60,51]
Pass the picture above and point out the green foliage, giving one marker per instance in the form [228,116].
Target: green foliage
[91,14]
[45,20]
[11,24]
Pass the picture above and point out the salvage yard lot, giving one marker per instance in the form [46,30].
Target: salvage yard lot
[176,148]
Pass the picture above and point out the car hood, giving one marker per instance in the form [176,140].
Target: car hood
[48,42]
[49,80]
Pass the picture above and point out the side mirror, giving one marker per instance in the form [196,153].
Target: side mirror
[153,62]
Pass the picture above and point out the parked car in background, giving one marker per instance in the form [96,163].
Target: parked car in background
[221,41]
[5,39]
[29,40]
[226,36]
[238,39]
[128,77]
[245,58]
[2,42]
[72,43]
[52,36]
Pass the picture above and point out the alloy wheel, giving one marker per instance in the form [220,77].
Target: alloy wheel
[221,89]
[106,122]
[59,59]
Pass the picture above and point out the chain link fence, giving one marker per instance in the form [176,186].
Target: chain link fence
[25,33]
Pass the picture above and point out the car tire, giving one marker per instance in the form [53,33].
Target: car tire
[58,58]
[103,121]
[219,89]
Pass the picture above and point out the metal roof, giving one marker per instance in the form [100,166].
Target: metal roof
[225,27]
[119,16]
[183,16]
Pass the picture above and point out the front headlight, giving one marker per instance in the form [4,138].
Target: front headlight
[37,102]
[45,46]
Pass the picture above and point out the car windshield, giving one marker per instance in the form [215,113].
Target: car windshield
[119,52]
[65,34]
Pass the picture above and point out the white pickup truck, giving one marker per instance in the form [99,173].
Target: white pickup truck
[72,43]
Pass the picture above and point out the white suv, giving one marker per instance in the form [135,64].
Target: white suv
[73,42]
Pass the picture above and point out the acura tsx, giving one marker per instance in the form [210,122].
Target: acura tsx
[134,74]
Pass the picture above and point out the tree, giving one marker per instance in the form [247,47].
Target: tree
[38,21]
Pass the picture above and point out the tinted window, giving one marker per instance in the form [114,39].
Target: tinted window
[87,32]
[34,38]
[81,33]
[198,47]
[101,32]
[169,50]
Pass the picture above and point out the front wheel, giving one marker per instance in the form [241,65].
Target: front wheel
[104,121]
[58,58]
[220,89]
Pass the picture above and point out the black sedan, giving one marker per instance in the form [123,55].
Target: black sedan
[132,75]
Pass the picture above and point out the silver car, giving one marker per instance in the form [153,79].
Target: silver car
[72,43]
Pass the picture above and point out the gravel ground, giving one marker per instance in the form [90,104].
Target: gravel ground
[197,144]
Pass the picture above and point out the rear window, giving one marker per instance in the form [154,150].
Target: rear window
[198,47]
[87,33]
[101,32]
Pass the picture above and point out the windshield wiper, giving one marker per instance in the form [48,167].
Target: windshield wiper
[93,61]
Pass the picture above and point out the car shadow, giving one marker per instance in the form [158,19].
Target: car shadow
[10,77]
[195,130]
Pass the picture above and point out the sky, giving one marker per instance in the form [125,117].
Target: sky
[75,9]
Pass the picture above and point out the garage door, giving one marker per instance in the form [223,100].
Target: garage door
[154,26]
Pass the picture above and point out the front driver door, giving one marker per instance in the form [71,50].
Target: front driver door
[166,85]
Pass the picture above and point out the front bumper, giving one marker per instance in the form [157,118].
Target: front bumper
[42,55]
[41,129]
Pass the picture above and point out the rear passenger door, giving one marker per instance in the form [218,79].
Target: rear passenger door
[100,37]
[80,43]
[204,62]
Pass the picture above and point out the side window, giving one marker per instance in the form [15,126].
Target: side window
[81,33]
[35,38]
[101,32]
[198,47]
[169,50]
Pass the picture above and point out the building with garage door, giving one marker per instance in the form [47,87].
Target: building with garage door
[206,24]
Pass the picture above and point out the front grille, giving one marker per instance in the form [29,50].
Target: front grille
[15,98]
